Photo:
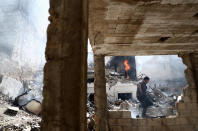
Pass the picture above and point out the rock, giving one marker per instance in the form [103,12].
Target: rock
[31,95]
[11,87]
[27,129]
[35,129]
[33,107]
[24,99]
[125,105]
[91,124]
[11,111]
[37,93]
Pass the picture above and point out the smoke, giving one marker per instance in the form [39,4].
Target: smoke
[23,31]
[161,67]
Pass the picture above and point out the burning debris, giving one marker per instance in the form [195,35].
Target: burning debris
[124,65]
[127,68]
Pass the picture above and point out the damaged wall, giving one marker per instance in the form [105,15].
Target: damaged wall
[112,92]
[187,108]
[65,73]
[117,63]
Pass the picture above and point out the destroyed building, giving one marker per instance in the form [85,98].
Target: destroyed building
[118,64]
[115,28]
[164,89]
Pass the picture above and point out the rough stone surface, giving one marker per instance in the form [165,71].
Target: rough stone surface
[100,94]
[64,104]
[142,27]
[127,27]
[119,114]
[11,87]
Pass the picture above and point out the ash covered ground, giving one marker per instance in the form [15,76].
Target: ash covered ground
[22,121]
[20,101]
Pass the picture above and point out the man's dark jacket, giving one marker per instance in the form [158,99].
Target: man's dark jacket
[142,97]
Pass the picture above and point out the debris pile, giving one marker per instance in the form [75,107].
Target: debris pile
[163,105]
[14,119]
[162,96]
[90,115]
[20,101]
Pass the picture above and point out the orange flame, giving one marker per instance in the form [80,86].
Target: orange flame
[127,67]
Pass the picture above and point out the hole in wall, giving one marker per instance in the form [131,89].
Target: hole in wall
[125,96]
[195,32]
[163,39]
[167,80]
[195,15]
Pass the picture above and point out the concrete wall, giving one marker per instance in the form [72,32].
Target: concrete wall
[187,118]
[64,104]
[112,93]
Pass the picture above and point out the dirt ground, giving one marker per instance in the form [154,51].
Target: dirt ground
[23,121]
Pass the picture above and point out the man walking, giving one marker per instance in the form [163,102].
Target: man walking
[142,96]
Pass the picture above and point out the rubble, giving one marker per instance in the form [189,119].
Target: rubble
[164,102]
[11,87]
[22,121]
[35,94]
[23,91]
[12,111]
[163,105]
[33,107]
[25,95]
[90,116]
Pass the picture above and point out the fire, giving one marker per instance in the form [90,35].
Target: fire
[127,68]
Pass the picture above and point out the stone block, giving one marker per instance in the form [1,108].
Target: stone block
[154,122]
[130,128]
[184,113]
[116,128]
[187,128]
[121,122]
[160,128]
[142,122]
[140,128]
[192,120]
[168,121]
[190,92]
[34,107]
[187,106]
[188,99]
[182,121]
[173,128]
[119,114]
